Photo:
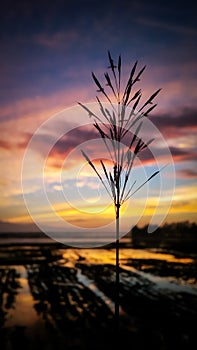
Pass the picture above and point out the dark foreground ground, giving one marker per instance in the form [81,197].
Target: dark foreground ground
[53,298]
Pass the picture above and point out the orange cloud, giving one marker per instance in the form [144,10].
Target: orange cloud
[5,144]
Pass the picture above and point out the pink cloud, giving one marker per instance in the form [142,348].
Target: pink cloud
[188,174]
[17,140]
[57,40]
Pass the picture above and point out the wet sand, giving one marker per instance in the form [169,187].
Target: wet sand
[57,298]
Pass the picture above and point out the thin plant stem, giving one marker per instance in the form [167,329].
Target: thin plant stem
[117,280]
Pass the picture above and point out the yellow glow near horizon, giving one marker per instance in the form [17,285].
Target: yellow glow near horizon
[184,205]
[90,217]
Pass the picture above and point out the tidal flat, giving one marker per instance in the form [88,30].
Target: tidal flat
[56,297]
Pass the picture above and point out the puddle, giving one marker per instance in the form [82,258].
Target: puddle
[169,284]
[23,312]
[92,286]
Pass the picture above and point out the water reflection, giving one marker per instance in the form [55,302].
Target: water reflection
[64,298]
[9,286]
[107,256]
[22,313]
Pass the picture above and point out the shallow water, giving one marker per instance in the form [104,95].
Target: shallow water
[107,256]
[23,313]
[73,288]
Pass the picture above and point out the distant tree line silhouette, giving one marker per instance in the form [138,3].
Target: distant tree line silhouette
[181,236]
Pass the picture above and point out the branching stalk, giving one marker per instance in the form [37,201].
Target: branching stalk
[115,126]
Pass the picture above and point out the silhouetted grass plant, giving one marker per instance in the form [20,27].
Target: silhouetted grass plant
[124,114]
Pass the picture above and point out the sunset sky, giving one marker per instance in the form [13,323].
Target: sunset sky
[48,51]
